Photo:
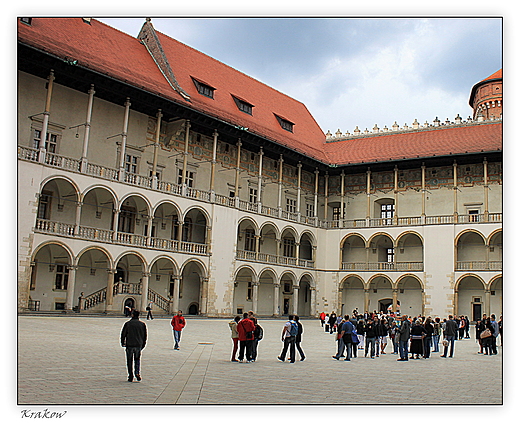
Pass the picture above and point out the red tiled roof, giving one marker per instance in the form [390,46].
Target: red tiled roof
[420,144]
[108,51]
[496,75]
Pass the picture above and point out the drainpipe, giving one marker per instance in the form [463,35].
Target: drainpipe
[46,113]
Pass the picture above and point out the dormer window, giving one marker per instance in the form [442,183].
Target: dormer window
[243,105]
[285,124]
[203,88]
[27,21]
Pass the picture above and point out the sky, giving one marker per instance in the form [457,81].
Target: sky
[351,71]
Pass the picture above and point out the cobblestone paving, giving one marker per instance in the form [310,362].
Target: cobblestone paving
[78,360]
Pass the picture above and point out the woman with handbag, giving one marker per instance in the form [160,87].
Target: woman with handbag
[486,336]
[417,334]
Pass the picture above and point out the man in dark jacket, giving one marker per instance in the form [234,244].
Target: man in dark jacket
[404,336]
[450,334]
[133,337]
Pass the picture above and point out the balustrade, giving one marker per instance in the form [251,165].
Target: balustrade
[94,299]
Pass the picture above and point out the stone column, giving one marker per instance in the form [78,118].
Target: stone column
[237,174]
[313,301]
[423,190]
[369,214]
[185,156]
[144,291]
[110,287]
[299,191]
[257,246]
[176,293]
[487,304]
[342,209]
[156,149]
[124,136]
[486,192]
[396,195]
[213,166]
[260,179]
[69,302]
[46,114]
[148,233]
[115,224]
[203,310]
[255,296]
[326,211]
[367,299]
[455,302]
[84,160]
[79,204]
[280,184]
[394,300]
[455,189]
[295,295]
[276,300]
[316,188]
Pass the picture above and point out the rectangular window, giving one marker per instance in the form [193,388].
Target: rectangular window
[288,247]
[250,240]
[253,195]
[62,277]
[285,124]
[309,209]
[290,205]
[204,89]
[44,205]
[51,140]
[336,213]
[189,178]
[474,215]
[249,291]
[390,255]
[387,213]
[131,163]
[244,106]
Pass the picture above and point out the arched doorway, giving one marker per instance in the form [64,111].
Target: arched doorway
[470,297]
[352,295]
[380,288]
[410,295]
[266,296]
[243,292]
[190,287]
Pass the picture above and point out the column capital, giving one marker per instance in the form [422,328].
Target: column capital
[146,274]
[91,90]
[127,102]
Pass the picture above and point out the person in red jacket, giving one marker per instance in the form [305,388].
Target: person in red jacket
[178,323]
[246,329]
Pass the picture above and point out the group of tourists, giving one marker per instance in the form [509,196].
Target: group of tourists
[246,333]
[412,338]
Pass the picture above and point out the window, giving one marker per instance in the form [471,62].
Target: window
[126,219]
[27,21]
[51,141]
[249,291]
[204,89]
[189,178]
[285,124]
[131,163]
[309,210]
[250,240]
[288,247]
[290,205]
[474,215]
[44,205]
[387,213]
[244,106]
[62,277]
[253,195]
[336,213]
[390,255]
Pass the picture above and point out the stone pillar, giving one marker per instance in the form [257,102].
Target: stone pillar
[257,246]
[455,189]
[46,114]
[79,204]
[486,192]
[487,302]
[423,189]
[176,293]
[148,233]
[342,208]
[313,301]
[110,287]
[299,191]
[144,291]
[369,214]
[455,302]
[326,211]
[367,299]
[203,310]
[237,174]
[394,300]
[255,296]
[156,149]
[69,302]
[213,166]
[316,188]
[280,184]
[84,160]
[396,195]
[185,156]
[276,300]
[260,179]
[124,136]
[115,224]
[295,295]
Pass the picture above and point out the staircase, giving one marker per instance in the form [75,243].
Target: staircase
[94,299]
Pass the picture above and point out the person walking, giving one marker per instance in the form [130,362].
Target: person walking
[347,333]
[360,329]
[394,331]
[133,338]
[450,335]
[322,318]
[234,336]
[149,310]
[436,334]
[496,332]
[340,342]
[246,335]
[404,335]
[289,332]
[332,322]
[178,322]
[298,339]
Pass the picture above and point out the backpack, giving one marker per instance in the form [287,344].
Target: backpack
[259,332]
[294,329]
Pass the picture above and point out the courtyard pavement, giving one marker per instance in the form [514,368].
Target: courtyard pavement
[78,360]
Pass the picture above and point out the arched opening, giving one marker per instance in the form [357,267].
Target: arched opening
[133,221]
[381,254]
[304,296]
[97,214]
[161,283]
[246,237]
[266,306]
[409,292]
[92,279]
[495,251]
[353,253]
[306,252]
[380,288]
[409,253]
[287,282]
[496,298]
[194,228]
[471,252]
[268,243]
[352,295]
[165,228]
[128,278]
[243,292]
[288,246]
[190,287]
[57,204]
[471,297]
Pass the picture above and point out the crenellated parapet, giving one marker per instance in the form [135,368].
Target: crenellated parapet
[415,126]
